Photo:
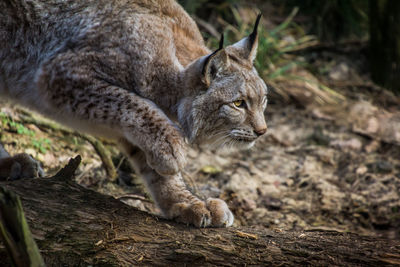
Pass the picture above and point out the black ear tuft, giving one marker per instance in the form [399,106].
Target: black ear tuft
[247,47]
[221,42]
[254,34]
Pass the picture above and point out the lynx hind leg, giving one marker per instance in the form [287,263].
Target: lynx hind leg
[172,197]
[19,166]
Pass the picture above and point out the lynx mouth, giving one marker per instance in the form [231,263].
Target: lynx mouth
[229,143]
[243,138]
[241,144]
[238,143]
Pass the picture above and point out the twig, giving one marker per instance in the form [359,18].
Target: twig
[104,156]
[340,48]
[120,162]
[132,196]
[68,171]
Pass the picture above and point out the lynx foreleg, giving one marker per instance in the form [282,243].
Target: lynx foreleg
[88,103]
[174,199]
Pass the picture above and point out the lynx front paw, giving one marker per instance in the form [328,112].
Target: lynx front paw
[214,212]
[221,216]
[20,166]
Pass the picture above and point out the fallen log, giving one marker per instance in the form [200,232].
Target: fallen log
[74,226]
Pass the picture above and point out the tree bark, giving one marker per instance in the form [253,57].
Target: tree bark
[385,43]
[74,226]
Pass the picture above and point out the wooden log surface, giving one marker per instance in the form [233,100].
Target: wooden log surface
[74,226]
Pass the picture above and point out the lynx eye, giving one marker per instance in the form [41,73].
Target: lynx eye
[239,103]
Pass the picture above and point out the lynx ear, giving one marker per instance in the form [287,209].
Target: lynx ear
[215,62]
[247,47]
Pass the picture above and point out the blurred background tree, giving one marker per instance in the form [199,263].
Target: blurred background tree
[335,20]
[372,22]
[385,43]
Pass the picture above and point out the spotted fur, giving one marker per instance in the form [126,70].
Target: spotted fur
[138,72]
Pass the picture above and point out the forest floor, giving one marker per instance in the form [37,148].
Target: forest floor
[320,166]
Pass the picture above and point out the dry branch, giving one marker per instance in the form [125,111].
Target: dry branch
[74,226]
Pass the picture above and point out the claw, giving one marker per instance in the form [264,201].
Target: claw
[205,221]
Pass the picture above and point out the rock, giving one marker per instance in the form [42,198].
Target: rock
[210,191]
[271,203]
[384,166]
[372,146]
[339,72]
[331,197]
[381,166]
[320,138]
[351,144]
[317,113]
[361,170]
[249,204]
[374,122]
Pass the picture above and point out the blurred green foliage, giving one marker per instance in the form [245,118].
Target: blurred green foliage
[272,44]
[384,53]
[7,123]
[274,56]
[318,21]
[209,8]
[329,20]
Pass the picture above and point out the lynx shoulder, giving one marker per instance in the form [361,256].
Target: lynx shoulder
[137,72]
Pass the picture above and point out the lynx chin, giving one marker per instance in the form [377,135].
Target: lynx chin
[137,72]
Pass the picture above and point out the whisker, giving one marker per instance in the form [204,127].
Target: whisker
[217,138]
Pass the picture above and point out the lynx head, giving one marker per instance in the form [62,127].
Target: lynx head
[228,99]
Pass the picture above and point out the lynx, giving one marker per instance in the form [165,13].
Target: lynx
[137,72]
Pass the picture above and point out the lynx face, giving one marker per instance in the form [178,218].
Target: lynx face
[228,112]
[233,108]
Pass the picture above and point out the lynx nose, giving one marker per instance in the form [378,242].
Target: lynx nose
[261,131]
